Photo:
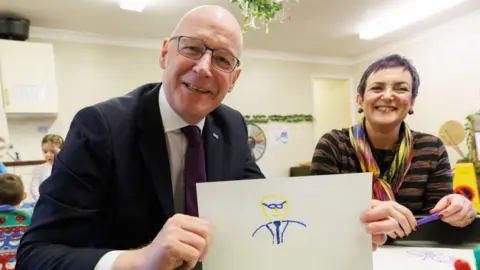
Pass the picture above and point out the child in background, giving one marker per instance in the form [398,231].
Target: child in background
[3,169]
[51,144]
[14,219]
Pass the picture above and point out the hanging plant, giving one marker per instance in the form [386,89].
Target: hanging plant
[263,11]
[263,119]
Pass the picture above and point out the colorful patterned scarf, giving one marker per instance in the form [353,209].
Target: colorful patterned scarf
[383,187]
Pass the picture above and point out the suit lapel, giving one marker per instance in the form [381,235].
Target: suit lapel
[215,148]
[153,147]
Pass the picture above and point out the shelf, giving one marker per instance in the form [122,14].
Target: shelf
[23,163]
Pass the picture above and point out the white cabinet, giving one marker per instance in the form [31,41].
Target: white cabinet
[28,79]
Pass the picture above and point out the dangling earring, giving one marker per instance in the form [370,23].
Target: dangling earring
[360,110]
[410,112]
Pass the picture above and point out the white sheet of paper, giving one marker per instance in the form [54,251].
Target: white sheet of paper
[279,134]
[401,258]
[29,94]
[320,226]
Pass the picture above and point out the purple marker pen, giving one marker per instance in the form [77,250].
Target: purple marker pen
[428,219]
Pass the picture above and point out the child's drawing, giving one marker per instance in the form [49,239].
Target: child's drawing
[433,256]
[275,207]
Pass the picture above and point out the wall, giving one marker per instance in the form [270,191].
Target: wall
[86,74]
[89,73]
[280,87]
[332,105]
[448,61]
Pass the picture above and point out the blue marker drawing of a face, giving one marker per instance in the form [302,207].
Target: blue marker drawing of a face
[275,208]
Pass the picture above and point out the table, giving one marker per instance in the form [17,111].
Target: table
[420,258]
[435,245]
[421,255]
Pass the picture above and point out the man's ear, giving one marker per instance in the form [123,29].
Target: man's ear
[236,74]
[24,195]
[163,54]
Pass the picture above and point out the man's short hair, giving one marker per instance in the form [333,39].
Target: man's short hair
[11,189]
[391,61]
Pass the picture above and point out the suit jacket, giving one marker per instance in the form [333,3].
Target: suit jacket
[110,187]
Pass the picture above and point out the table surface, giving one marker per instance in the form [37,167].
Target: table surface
[422,255]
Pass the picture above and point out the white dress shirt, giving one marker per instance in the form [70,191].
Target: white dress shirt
[177,147]
[39,174]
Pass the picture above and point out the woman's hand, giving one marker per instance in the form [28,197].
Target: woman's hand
[387,218]
[455,210]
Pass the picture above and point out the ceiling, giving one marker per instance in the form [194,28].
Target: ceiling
[321,28]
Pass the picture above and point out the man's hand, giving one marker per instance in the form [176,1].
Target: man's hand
[183,240]
[455,210]
[387,218]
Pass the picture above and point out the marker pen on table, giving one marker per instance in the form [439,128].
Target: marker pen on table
[476,253]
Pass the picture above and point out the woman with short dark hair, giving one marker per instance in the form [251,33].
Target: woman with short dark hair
[410,169]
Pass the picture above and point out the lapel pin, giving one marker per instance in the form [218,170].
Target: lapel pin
[215,135]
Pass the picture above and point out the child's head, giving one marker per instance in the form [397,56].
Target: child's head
[11,189]
[51,144]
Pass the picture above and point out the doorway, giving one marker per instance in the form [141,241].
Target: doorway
[333,104]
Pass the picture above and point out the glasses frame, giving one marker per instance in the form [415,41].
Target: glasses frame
[207,48]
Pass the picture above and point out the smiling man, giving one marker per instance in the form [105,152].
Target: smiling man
[122,190]
[130,164]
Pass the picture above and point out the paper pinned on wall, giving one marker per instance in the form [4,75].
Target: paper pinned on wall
[288,223]
[28,94]
[279,135]
[42,129]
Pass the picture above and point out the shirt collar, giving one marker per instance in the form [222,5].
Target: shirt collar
[171,120]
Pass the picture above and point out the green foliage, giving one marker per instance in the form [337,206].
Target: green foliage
[294,118]
[470,135]
[264,11]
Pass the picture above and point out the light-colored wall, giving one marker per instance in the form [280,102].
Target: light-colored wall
[448,61]
[332,105]
[89,73]
[280,87]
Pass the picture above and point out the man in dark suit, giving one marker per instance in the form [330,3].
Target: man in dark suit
[122,191]
[120,175]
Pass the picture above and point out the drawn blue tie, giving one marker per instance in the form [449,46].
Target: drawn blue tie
[277,229]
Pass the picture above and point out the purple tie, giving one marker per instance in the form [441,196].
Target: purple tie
[194,171]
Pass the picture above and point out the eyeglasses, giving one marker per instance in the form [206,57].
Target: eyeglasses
[193,48]
[274,206]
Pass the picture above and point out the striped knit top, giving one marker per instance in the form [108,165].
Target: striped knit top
[428,179]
